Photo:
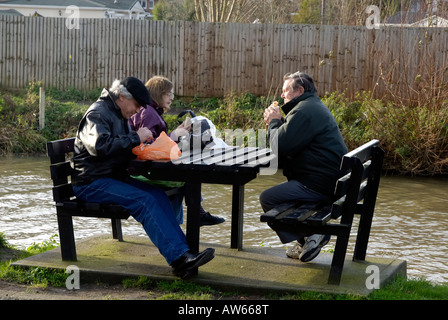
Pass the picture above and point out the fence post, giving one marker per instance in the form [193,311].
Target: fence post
[41,108]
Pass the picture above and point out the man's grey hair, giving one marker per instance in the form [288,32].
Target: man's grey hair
[301,79]
[117,88]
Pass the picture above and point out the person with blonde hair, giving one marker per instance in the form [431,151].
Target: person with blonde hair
[162,95]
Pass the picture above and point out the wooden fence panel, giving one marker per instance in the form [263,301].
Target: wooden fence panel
[209,60]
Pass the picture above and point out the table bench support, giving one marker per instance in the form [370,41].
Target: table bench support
[117,232]
[193,200]
[236,238]
[67,238]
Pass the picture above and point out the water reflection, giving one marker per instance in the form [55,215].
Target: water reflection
[410,218]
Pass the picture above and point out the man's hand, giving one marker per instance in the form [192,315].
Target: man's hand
[272,112]
[145,134]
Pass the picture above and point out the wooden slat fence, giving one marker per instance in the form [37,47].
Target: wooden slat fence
[207,60]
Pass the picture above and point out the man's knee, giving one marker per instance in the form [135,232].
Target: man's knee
[265,200]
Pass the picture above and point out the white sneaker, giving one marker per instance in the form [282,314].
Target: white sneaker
[312,246]
[295,251]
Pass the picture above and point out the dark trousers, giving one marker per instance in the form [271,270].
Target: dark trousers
[291,191]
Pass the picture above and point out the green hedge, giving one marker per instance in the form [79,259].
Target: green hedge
[415,138]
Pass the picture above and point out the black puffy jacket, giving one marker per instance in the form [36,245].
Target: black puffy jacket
[104,142]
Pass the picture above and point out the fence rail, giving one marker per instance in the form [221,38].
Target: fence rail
[208,59]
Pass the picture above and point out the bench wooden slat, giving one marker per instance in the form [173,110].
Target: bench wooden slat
[286,209]
[251,155]
[343,183]
[63,192]
[57,150]
[191,156]
[320,218]
[300,213]
[61,169]
[362,153]
[91,209]
[362,190]
[336,208]
[231,156]
[274,212]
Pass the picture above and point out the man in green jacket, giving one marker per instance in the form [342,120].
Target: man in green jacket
[310,148]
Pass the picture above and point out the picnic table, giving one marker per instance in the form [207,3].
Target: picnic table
[234,166]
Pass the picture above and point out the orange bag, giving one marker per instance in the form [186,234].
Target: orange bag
[163,148]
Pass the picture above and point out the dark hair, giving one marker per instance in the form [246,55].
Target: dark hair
[301,79]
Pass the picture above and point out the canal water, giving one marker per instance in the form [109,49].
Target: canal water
[410,220]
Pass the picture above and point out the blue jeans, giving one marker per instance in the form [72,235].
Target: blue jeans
[176,200]
[147,204]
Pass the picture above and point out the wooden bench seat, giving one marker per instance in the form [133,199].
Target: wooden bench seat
[68,206]
[355,193]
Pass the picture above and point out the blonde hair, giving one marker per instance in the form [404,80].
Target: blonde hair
[157,87]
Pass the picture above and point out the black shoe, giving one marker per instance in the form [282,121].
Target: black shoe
[185,265]
[207,219]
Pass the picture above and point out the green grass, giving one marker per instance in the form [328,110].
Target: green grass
[37,276]
[3,242]
[401,288]
[411,289]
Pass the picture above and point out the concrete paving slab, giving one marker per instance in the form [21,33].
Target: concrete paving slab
[254,269]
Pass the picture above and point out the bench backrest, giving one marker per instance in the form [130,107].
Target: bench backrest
[60,168]
[357,190]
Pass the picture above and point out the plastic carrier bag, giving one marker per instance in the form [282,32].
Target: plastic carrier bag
[202,133]
[163,148]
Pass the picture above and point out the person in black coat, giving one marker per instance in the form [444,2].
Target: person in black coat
[310,147]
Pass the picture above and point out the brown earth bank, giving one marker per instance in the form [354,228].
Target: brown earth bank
[88,291]
[16,291]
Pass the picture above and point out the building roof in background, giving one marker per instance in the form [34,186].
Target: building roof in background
[10,12]
[112,4]
[406,17]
